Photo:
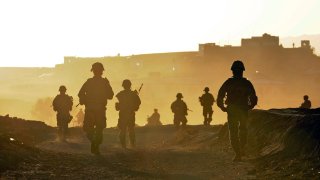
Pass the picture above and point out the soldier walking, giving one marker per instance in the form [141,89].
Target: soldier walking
[94,94]
[62,104]
[129,103]
[180,110]
[207,101]
[241,97]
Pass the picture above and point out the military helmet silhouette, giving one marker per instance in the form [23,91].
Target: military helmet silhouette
[62,88]
[206,89]
[237,65]
[179,95]
[126,83]
[305,97]
[97,66]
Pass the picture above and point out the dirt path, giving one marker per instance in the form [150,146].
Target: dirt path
[157,156]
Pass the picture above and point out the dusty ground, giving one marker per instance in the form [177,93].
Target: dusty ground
[161,153]
[282,144]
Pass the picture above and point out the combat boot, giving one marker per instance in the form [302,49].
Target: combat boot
[123,143]
[132,142]
[237,158]
[95,149]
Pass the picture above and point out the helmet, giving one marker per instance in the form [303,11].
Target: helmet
[237,65]
[97,66]
[126,83]
[206,89]
[305,97]
[179,95]
[62,88]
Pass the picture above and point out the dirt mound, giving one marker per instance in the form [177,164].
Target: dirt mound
[195,137]
[28,132]
[288,132]
[17,137]
[286,142]
[13,151]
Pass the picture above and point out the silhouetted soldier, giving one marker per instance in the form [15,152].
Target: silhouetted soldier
[129,103]
[180,110]
[62,104]
[241,97]
[94,94]
[80,117]
[207,101]
[307,103]
[154,119]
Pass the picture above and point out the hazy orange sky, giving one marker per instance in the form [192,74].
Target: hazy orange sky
[41,32]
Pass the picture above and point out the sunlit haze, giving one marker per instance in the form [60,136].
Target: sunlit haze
[40,33]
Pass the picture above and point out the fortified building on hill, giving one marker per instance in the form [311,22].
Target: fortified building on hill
[263,44]
[263,54]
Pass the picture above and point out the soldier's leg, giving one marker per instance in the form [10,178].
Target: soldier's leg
[122,136]
[88,125]
[184,121]
[66,119]
[132,136]
[122,125]
[210,117]
[98,135]
[60,133]
[243,128]
[233,124]
[64,129]
[176,121]
[131,125]
[205,118]
[60,127]
[100,124]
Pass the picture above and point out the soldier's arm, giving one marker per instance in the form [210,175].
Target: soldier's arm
[185,108]
[54,103]
[252,95]
[172,107]
[82,93]
[251,88]
[221,94]
[138,100]
[212,98]
[71,102]
[110,92]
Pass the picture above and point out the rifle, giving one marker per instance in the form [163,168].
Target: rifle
[138,92]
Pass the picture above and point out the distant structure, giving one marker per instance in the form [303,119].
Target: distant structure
[266,42]
[305,44]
